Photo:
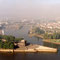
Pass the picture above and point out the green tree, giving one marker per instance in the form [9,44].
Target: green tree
[46,35]
[11,46]
[39,31]
[12,38]
[0,44]
[6,37]
[18,39]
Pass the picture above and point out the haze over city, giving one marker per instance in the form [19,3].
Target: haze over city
[30,9]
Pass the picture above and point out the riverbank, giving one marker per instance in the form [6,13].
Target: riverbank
[54,41]
[36,35]
[31,49]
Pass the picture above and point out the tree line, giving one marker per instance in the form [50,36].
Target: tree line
[9,41]
[52,36]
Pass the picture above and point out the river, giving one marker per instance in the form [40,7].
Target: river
[23,32]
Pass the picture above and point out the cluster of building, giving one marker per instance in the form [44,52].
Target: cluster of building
[50,26]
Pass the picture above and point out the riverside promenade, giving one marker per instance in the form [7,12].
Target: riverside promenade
[31,49]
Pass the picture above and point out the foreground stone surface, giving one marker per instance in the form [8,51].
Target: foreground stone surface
[31,48]
[46,49]
[36,48]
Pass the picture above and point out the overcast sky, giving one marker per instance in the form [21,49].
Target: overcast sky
[30,8]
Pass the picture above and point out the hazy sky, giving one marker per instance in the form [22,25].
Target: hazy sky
[30,8]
